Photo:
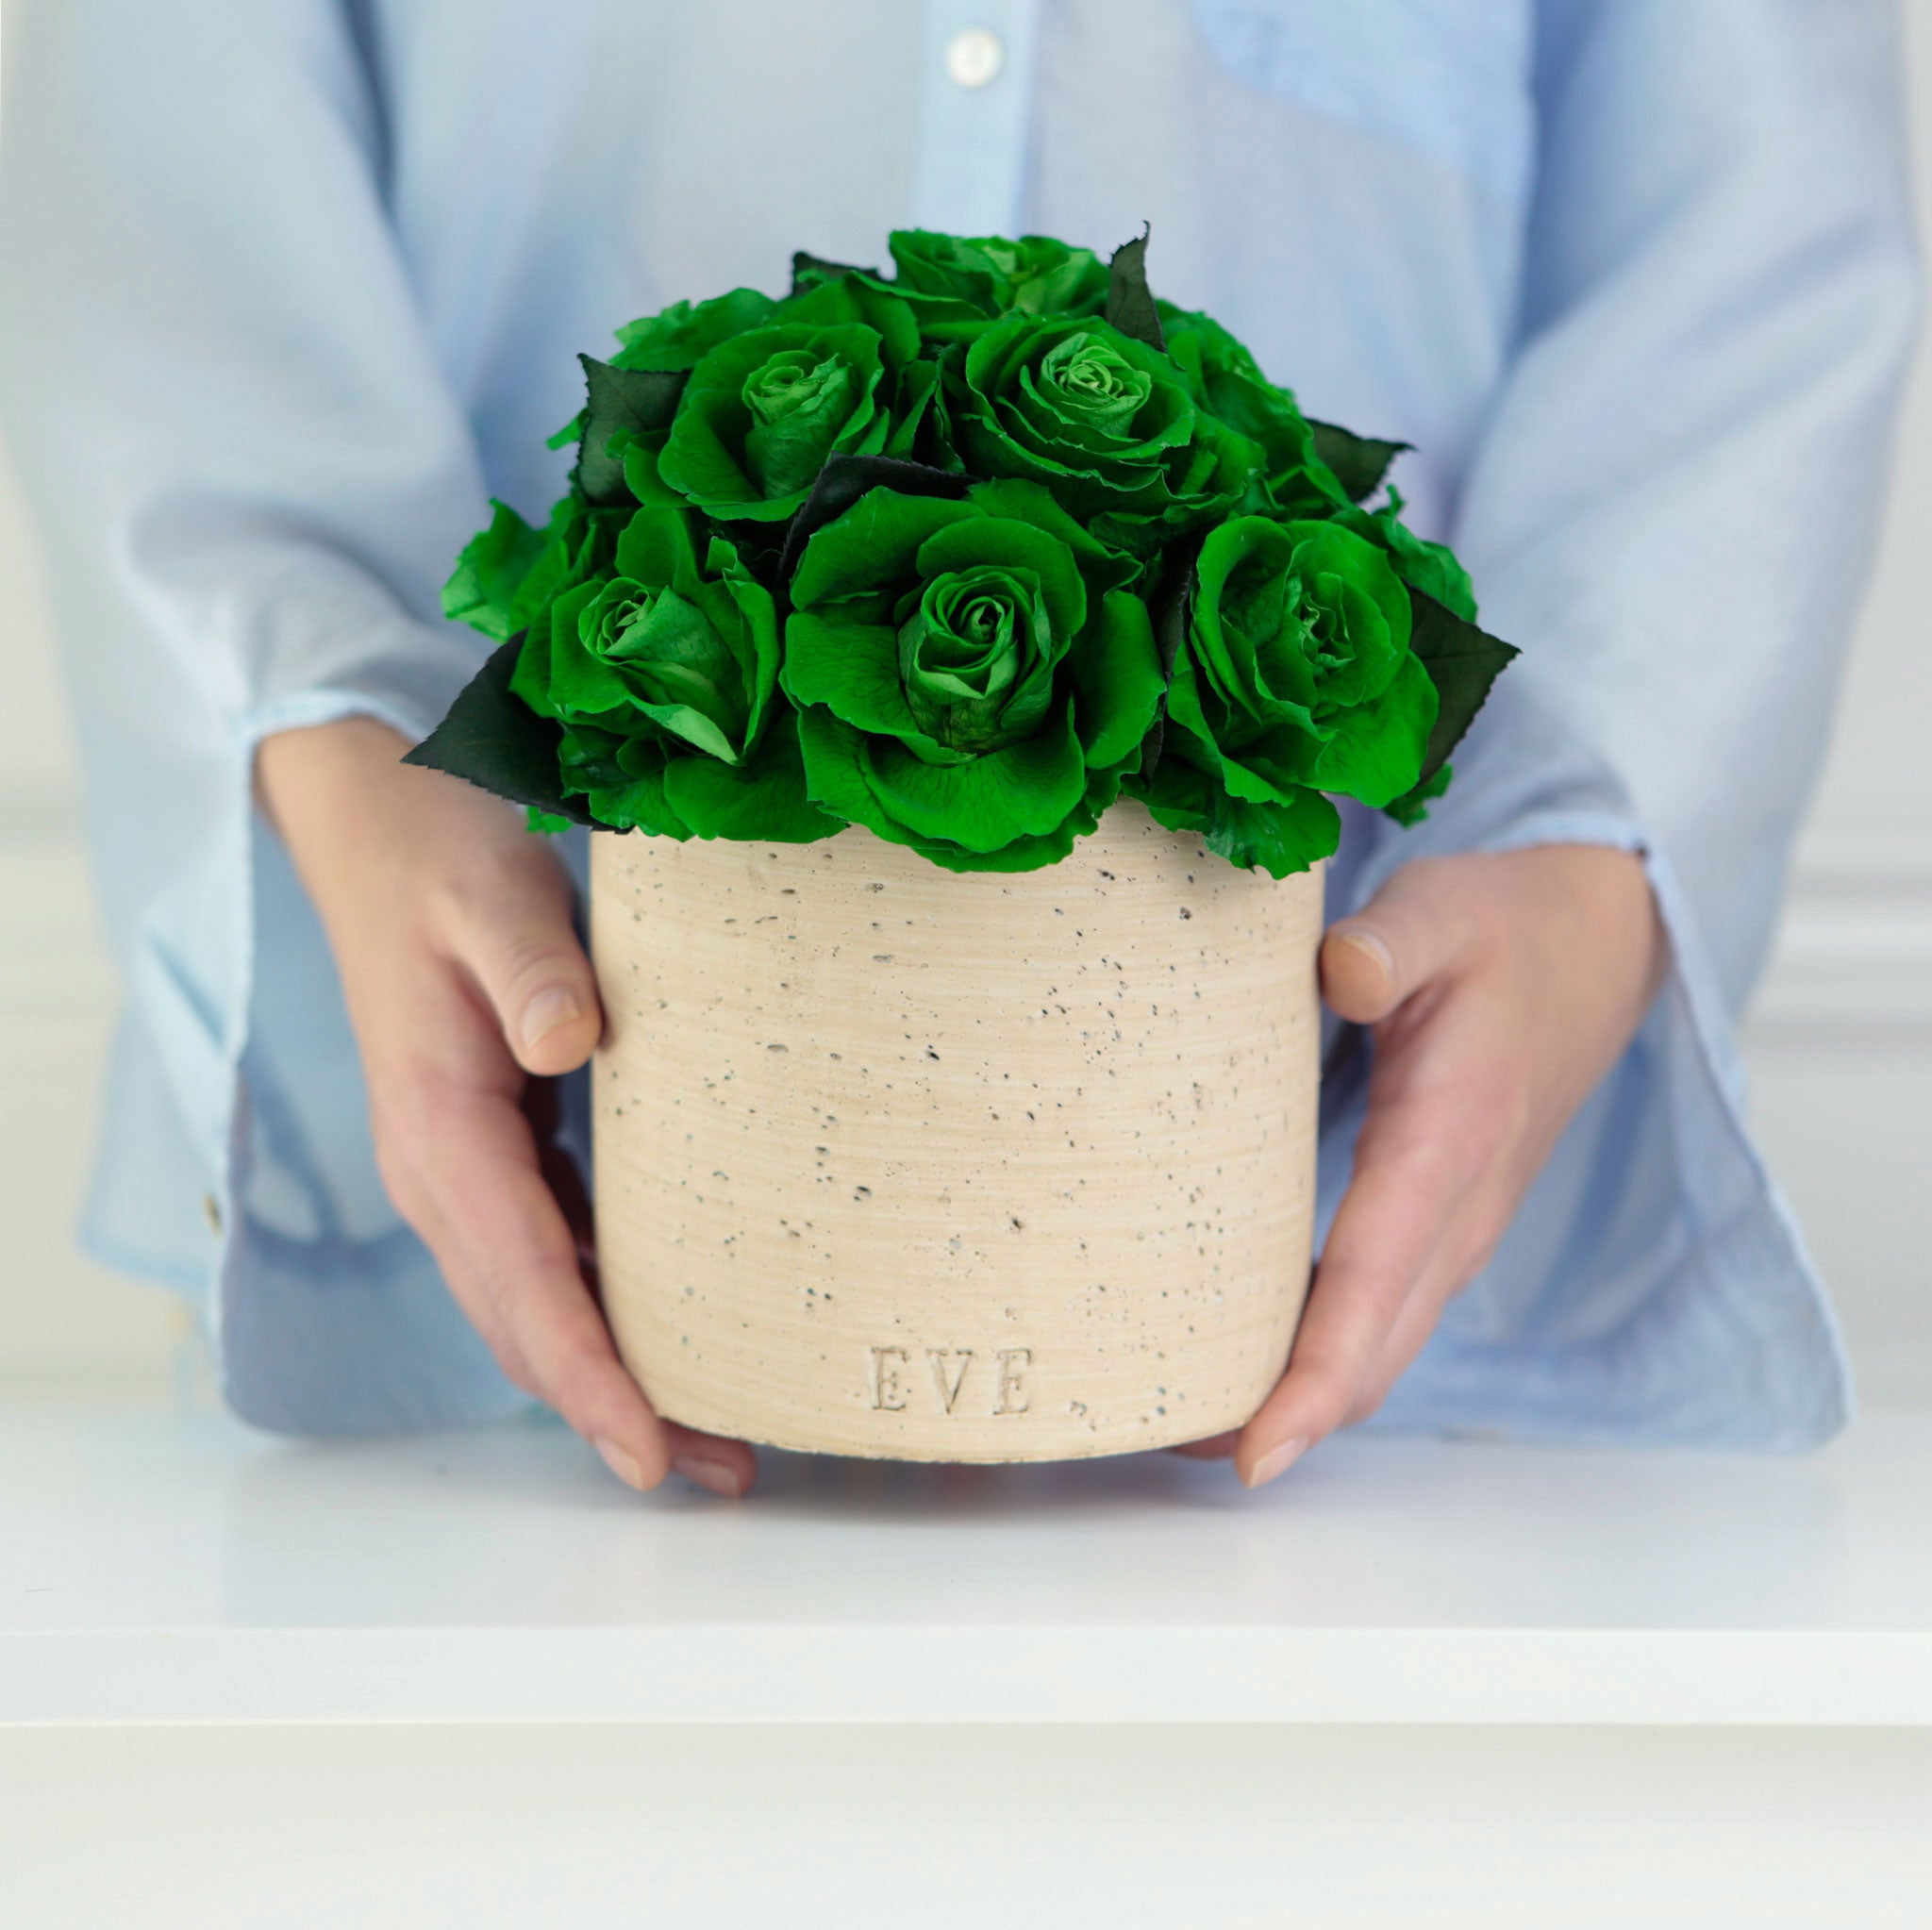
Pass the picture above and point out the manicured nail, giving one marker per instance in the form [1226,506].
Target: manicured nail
[556,1006]
[713,1475]
[623,1465]
[1277,1460]
[1374,945]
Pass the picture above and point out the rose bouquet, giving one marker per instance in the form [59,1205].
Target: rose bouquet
[961,556]
[892,1161]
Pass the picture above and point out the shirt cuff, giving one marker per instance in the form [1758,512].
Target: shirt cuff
[325,1314]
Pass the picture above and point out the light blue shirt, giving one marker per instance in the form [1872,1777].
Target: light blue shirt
[289,288]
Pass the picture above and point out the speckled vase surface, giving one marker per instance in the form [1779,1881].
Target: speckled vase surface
[898,1163]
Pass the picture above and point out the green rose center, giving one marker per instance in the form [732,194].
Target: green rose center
[1092,380]
[972,657]
[666,653]
[1330,647]
[623,607]
[1344,640]
[797,402]
[797,382]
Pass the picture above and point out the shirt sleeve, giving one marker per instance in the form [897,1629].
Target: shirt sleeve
[1672,510]
[249,474]
[1674,505]
[217,384]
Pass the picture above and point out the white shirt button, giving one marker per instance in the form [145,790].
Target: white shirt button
[974,57]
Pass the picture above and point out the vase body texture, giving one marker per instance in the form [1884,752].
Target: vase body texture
[899,1162]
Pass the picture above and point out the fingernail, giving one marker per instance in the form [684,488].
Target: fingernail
[625,1466]
[556,1006]
[1375,946]
[1277,1460]
[715,1475]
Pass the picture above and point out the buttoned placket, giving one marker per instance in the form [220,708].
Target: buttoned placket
[975,115]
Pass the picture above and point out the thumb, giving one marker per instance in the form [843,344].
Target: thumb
[522,950]
[1413,930]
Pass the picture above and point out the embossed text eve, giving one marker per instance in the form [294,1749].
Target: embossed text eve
[956,1380]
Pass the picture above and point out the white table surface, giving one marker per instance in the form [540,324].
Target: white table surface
[179,1569]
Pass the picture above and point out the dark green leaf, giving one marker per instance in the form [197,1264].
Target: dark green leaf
[1129,302]
[1173,607]
[640,401]
[494,739]
[1172,611]
[1155,742]
[1462,662]
[809,271]
[1412,807]
[1360,462]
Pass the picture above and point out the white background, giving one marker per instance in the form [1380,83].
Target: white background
[1841,1046]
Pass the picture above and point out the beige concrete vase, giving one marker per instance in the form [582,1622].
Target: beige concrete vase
[896,1162]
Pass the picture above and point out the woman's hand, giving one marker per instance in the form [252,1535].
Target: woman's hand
[1501,989]
[451,927]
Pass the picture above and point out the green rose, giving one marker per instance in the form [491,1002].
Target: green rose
[664,678]
[962,556]
[1296,677]
[957,282]
[1109,424]
[973,679]
[632,398]
[1035,274]
[763,410]
[1302,481]
[836,373]
[1226,379]
[1302,477]
[682,335]
[805,407]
